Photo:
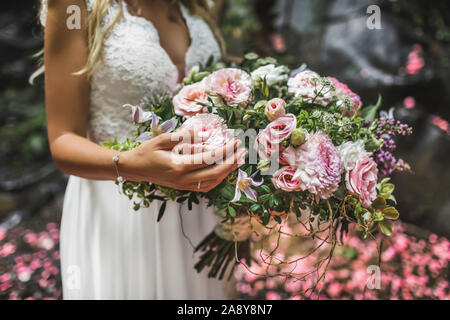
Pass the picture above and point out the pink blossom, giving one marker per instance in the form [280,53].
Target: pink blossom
[271,283]
[278,43]
[275,109]
[415,61]
[292,285]
[334,289]
[343,89]
[5,286]
[318,165]
[435,266]
[389,254]
[233,85]
[310,87]
[362,180]
[251,277]
[186,102]
[2,234]
[283,179]
[24,274]
[272,295]
[31,238]
[402,242]
[7,249]
[5,277]
[409,102]
[440,123]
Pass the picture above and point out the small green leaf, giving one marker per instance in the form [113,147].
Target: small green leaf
[386,227]
[379,203]
[232,211]
[387,189]
[391,213]
[370,112]
[161,211]
[357,209]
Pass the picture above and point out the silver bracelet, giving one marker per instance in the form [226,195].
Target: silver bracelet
[115,160]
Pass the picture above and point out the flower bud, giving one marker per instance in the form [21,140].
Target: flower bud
[200,76]
[275,109]
[298,137]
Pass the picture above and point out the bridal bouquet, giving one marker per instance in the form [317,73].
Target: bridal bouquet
[314,153]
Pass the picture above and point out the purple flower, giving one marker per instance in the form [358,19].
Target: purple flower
[156,129]
[244,184]
[138,115]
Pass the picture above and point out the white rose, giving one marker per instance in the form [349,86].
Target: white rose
[271,73]
[351,152]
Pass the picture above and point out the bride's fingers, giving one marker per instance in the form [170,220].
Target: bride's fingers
[205,159]
[167,141]
[188,149]
[217,172]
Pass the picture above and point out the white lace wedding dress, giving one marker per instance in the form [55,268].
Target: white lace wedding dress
[109,251]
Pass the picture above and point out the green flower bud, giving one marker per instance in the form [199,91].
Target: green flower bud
[263,165]
[298,137]
[200,76]
[260,105]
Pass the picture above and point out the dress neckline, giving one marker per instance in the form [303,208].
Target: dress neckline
[147,22]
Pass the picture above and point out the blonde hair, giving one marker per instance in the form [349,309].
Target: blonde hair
[96,34]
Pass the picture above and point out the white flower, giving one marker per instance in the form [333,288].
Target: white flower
[271,73]
[351,152]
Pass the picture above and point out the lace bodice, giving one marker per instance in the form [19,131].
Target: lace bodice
[134,64]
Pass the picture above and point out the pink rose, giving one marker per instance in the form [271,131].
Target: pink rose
[233,85]
[362,180]
[186,101]
[318,165]
[281,129]
[343,89]
[275,109]
[268,141]
[283,179]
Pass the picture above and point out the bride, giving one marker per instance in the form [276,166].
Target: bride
[124,50]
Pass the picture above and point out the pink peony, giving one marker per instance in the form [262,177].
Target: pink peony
[186,101]
[311,88]
[343,89]
[275,109]
[318,165]
[283,179]
[210,132]
[233,85]
[362,180]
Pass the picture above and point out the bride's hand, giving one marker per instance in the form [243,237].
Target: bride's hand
[155,162]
